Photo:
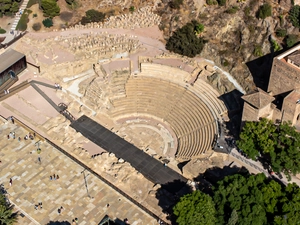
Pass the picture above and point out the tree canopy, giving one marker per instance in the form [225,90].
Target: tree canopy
[184,41]
[294,15]
[7,216]
[195,208]
[9,7]
[264,11]
[277,144]
[50,8]
[241,199]
[92,16]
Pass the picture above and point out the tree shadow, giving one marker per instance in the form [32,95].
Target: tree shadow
[58,223]
[168,195]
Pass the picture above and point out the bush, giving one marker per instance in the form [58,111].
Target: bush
[2,31]
[92,16]
[281,32]
[258,51]
[291,40]
[232,10]
[66,16]
[185,42]
[264,11]
[294,15]
[32,2]
[199,28]
[34,15]
[36,26]
[48,22]
[175,4]
[221,2]
[22,25]
[70,2]
[211,2]
[276,47]
[50,8]
[131,9]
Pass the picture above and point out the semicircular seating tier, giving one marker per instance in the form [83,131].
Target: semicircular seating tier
[182,110]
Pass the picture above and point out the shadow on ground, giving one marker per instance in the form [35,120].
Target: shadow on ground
[58,223]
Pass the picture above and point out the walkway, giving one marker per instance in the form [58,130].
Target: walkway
[81,193]
[18,16]
[150,167]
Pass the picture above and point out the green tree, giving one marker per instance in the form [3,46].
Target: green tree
[7,216]
[278,144]
[92,16]
[48,22]
[184,41]
[50,8]
[281,32]
[221,2]
[294,15]
[291,40]
[195,208]
[264,11]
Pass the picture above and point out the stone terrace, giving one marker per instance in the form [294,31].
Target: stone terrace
[31,185]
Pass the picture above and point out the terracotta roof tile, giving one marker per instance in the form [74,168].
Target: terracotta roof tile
[258,99]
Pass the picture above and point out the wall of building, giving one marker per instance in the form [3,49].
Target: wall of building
[283,77]
[249,113]
[17,68]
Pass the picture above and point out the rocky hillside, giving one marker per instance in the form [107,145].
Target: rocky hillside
[236,36]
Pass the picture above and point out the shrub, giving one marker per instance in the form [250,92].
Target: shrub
[50,8]
[291,39]
[66,16]
[232,10]
[34,15]
[92,16]
[264,11]
[22,25]
[276,47]
[281,32]
[221,2]
[175,4]
[32,2]
[2,31]
[36,26]
[48,22]
[131,9]
[211,2]
[199,28]
[70,2]
[185,42]
[258,51]
[294,15]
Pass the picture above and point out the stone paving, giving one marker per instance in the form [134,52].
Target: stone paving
[31,185]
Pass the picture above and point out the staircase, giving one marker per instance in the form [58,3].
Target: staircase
[18,16]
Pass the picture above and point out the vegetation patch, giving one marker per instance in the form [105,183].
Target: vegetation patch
[277,145]
[281,32]
[2,31]
[221,2]
[294,15]
[36,26]
[232,10]
[184,41]
[92,16]
[211,2]
[175,4]
[50,8]
[32,2]
[22,25]
[264,11]
[9,7]
[48,22]
[258,51]
[66,16]
[241,199]
[275,46]
[291,40]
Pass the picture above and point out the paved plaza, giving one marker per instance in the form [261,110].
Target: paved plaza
[31,184]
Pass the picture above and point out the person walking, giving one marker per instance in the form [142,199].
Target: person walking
[10,182]
[39,159]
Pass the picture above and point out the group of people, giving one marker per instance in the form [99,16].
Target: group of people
[57,86]
[54,177]
[38,206]
[75,221]
[29,136]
